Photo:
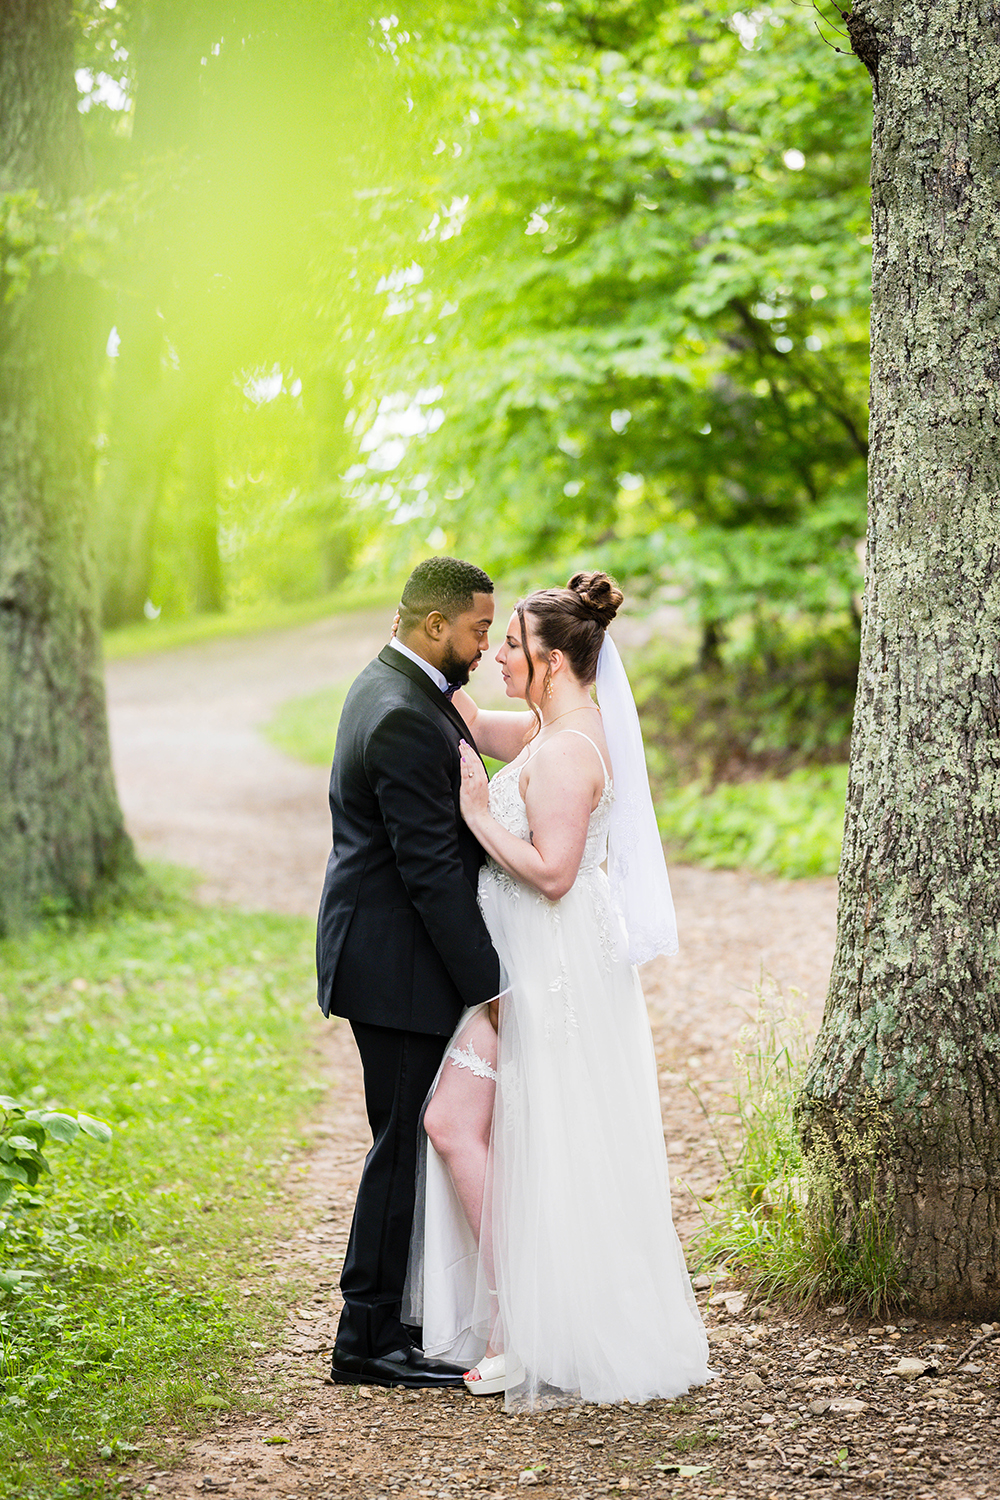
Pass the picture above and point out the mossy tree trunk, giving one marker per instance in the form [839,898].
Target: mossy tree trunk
[61,831]
[912,1024]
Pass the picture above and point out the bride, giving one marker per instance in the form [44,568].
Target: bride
[544,1253]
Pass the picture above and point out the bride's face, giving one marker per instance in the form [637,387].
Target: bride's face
[514,663]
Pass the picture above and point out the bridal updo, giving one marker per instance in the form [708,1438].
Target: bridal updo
[572,620]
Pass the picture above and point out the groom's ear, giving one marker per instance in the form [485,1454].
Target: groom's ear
[435,624]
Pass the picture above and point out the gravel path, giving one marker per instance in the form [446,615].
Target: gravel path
[804,1405]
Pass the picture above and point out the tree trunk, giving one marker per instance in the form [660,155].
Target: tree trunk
[147,399]
[910,1044]
[61,831]
[142,421]
[199,470]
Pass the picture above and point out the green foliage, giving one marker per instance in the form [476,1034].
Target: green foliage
[778,1215]
[642,265]
[791,827]
[752,711]
[748,753]
[24,1133]
[184,1027]
[602,270]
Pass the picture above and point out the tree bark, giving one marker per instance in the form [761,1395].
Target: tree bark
[61,831]
[910,1043]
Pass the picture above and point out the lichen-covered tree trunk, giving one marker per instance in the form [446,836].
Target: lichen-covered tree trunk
[61,832]
[912,1024]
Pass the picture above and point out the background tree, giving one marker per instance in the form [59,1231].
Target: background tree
[61,833]
[635,299]
[254,131]
[910,1045]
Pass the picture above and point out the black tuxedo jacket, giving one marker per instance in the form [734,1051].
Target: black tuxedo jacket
[401,941]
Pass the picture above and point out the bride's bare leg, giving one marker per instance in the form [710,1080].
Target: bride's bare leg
[458,1120]
[458,1117]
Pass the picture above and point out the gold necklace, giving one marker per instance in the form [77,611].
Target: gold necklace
[580,708]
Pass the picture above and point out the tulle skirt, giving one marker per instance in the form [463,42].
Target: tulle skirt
[580,1277]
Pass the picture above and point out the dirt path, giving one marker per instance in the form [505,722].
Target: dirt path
[199,786]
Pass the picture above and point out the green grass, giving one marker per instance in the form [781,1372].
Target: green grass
[188,1030]
[165,634]
[810,1226]
[790,826]
[306,727]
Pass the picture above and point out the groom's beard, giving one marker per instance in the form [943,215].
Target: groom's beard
[455,669]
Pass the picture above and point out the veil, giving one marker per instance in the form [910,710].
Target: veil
[637,871]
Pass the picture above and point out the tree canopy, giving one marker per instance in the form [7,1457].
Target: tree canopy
[548,278]
[631,299]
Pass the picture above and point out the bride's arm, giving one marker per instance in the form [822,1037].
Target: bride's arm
[498,733]
[560,793]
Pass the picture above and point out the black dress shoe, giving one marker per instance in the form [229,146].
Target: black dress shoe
[408,1367]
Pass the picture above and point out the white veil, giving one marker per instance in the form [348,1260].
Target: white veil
[640,886]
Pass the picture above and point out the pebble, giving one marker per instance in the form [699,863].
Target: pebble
[751,1382]
[910,1369]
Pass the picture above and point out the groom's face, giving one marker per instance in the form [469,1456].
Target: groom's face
[465,638]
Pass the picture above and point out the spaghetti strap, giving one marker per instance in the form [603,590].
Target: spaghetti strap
[607,774]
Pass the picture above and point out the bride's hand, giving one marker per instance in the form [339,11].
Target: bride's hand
[474,792]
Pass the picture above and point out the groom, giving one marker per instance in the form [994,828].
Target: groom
[402,946]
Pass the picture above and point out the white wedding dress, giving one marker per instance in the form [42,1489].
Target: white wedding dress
[581,1278]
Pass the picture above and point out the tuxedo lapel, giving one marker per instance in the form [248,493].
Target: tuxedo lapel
[400,663]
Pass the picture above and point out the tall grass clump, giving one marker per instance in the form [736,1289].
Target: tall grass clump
[131,1279]
[782,1216]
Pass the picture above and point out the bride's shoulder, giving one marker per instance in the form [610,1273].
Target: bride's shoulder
[569,755]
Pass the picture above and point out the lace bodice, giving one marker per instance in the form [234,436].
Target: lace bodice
[507,806]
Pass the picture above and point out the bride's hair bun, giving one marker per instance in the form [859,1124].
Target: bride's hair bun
[600,594]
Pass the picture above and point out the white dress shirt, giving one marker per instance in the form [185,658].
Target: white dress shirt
[438,678]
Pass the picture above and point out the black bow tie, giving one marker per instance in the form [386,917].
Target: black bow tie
[451,690]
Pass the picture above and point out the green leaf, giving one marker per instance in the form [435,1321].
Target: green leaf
[98,1130]
[276,1438]
[7,1103]
[11,1281]
[61,1127]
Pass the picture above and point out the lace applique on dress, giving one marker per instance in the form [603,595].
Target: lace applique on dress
[468,1057]
[507,806]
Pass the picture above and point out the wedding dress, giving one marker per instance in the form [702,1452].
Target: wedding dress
[580,1279]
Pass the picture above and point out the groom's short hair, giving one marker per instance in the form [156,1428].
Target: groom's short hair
[446,584]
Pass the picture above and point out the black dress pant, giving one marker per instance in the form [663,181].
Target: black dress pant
[399,1068]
